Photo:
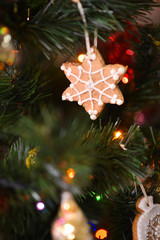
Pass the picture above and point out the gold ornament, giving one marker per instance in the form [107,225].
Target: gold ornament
[6,46]
[30,160]
[71,223]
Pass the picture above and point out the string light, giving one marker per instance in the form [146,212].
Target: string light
[4,30]
[71,173]
[130,70]
[117,134]
[129,52]
[81,57]
[101,234]
[125,79]
[99,197]
[93,226]
[91,177]
[40,206]
[112,38]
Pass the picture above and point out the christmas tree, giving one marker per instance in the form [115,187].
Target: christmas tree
[79,117]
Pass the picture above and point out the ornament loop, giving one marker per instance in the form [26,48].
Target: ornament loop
[81,11]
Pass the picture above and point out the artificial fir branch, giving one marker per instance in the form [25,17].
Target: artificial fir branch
[115,166]
[117,211]
[60,26]
[61,146]
[18,91]
[98,151]
[69,146]
[147,75]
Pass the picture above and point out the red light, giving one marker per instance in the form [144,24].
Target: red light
[129,52]
[91,177]
[125,79]
[130,71]
[112,38]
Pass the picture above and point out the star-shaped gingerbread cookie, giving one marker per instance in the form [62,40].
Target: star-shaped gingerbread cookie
[93,83]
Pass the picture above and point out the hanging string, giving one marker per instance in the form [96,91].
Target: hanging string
[81,10]
[123,146]
[143,190]
[95,37]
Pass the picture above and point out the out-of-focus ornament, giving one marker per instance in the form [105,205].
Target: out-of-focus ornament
[30,160]
[146,225]
[71,222]
[6,46]
[101,234]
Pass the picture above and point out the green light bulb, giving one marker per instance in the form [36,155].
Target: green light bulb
[98,198]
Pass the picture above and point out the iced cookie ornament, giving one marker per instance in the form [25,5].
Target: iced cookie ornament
[146,225]
[93,84]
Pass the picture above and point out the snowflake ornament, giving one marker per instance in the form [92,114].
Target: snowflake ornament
[146,225]
[93,83]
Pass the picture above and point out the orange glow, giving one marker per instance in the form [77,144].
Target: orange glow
[81,57]
[117,134]
[125,80]
[14,51]
[9,62]
[2,66]
[101,234]
[4,30]
[71,173]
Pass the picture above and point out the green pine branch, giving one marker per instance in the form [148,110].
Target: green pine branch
[19,89]
[58,28]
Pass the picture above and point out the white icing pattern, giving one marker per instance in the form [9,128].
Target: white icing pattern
[148,225]
[90,86]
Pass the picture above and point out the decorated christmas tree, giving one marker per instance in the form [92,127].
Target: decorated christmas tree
[79,117]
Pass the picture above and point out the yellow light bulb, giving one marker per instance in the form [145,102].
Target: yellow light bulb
[81,57]
[118,134]
[125,80]
[71,173]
